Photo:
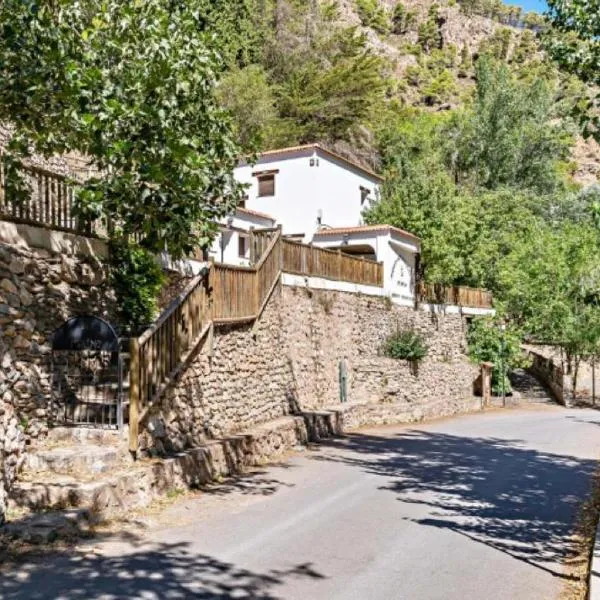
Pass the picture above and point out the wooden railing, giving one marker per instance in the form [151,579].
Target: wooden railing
[49,202]
[302,259]
[226,294]
[260,239]
[454,295]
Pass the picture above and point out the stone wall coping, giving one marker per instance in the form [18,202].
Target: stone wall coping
[57,242]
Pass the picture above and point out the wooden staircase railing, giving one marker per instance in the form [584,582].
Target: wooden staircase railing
[226,294]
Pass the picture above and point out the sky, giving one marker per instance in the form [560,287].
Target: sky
[529,5]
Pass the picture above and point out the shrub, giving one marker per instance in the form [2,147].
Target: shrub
[405,345]
[488,343]
[372,14]
[137,279]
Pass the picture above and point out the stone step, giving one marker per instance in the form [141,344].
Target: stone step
[74,459]
[47,527]
[83,435]
[55,491]
[137,484]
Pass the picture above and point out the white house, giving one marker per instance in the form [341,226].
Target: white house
[232,245]
[306,188]
[397,249]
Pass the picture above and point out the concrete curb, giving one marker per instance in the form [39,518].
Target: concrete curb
[594,580]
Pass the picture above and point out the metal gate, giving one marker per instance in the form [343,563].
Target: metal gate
[87,374]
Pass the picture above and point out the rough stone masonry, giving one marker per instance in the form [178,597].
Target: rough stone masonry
[289,361]
[39,290]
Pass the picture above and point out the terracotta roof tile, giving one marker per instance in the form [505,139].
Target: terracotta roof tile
[323,150]
[255,213]
[364,229]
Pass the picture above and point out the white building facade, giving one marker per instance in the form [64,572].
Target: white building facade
[232,245]
[308,188]
[398,250]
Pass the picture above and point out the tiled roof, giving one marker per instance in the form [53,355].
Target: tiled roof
[364,229]
[319,148]
[255,213]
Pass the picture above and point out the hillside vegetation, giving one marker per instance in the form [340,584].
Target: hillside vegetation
[457,103]
[472,124]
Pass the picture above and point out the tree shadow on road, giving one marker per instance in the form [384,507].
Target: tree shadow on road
[147,571]
[498,492]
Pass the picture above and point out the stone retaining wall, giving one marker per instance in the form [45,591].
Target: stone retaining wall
[240,378]
[288,362]
[39,290]
[322,328]
[551,375]
[12,444]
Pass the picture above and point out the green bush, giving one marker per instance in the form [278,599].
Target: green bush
[372,14]
[488,343]
[137,279]
[405,345]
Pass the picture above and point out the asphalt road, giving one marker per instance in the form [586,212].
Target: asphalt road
[480,507]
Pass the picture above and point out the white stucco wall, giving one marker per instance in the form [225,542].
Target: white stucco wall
[331,188]
[225,247]
[397,255]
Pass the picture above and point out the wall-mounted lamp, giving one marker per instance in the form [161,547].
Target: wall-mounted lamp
[345,240]
[229,222]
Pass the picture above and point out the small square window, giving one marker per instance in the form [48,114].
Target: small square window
[266,185]
[242,246]
[242,202]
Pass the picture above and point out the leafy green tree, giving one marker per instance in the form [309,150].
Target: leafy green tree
[509,137]
[573,43]
[328,83]
[403,20]
[430,35]
[490,340]
[549,284]
[247,95]
[131,86]
[498,44]
[373,14]
[420,195]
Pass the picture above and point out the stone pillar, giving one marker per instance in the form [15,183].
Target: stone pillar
[486,383]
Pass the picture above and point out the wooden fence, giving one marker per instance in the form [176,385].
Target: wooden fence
[302,259]
[49,202]
[226,294]
[454,295]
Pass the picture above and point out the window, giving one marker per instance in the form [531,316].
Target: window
[242,246]
[242,202]
[266,185]
[364,194]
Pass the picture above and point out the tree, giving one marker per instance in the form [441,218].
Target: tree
[573,43]
[372,14]
[250,99]
[509,137]
[549,285]
[328,83]
[430,35]
[420,196]
[490,340]
[131,86]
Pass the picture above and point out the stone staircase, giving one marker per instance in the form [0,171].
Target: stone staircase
[527,389]
[71,468]
[79,477]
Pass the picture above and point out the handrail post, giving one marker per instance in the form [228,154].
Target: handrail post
[252,247]
[134,395]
